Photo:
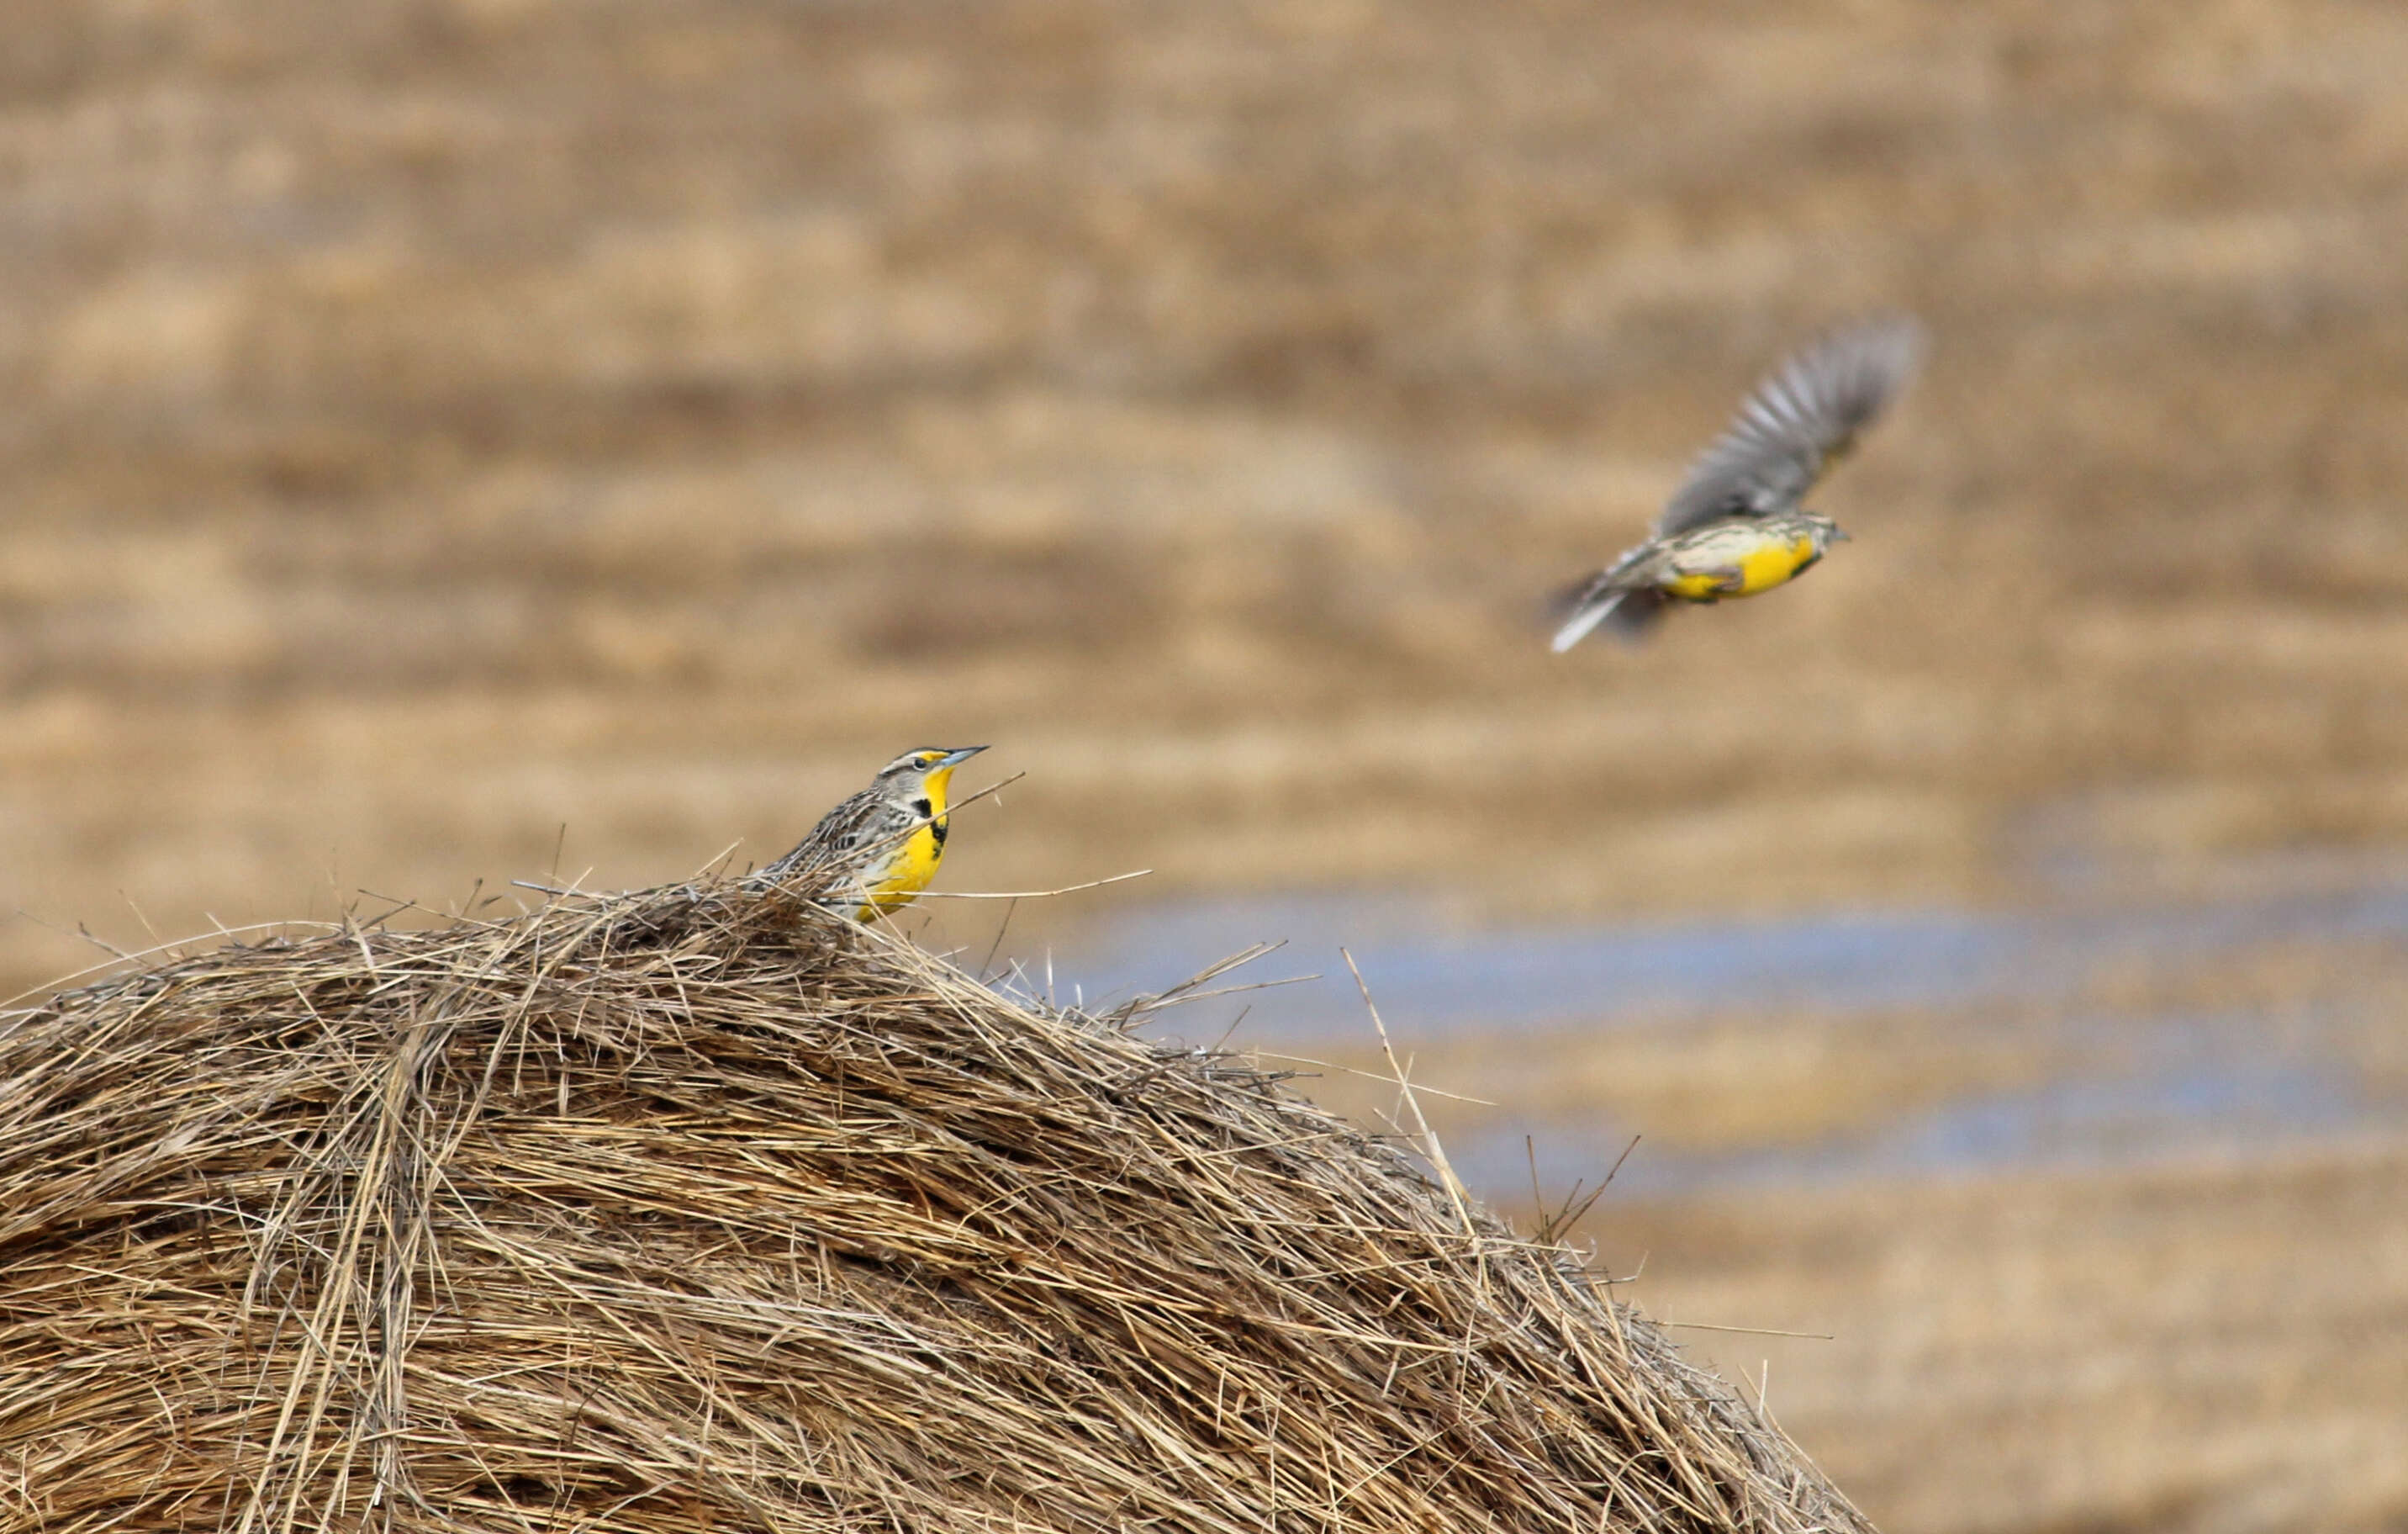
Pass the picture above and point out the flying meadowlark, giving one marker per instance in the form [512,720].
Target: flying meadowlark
[882,845]
[1736,527]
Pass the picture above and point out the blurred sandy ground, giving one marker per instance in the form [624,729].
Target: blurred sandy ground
[449,442]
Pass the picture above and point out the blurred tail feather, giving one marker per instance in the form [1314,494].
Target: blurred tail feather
[1626,613]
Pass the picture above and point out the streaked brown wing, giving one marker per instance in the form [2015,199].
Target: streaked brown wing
[840,834]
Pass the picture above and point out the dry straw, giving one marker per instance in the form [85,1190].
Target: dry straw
[696,1208]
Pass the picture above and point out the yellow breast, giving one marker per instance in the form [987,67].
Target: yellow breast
[1761,563]
[1772,563]
[914,863]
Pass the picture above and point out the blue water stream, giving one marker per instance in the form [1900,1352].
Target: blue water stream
[2180,1084]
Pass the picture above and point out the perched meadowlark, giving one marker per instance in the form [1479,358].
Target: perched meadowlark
[1736,527]
[882,845]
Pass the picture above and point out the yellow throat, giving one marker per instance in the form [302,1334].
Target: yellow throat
[913,862]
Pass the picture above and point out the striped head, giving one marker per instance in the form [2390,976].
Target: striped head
[919,778]
[1822,532]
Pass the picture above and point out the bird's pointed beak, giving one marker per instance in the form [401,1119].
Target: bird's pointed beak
[1839,535]
[959,754]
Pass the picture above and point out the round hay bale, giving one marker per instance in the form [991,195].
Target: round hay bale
[699,1210]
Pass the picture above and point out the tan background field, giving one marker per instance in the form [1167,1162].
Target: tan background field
[493,439]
